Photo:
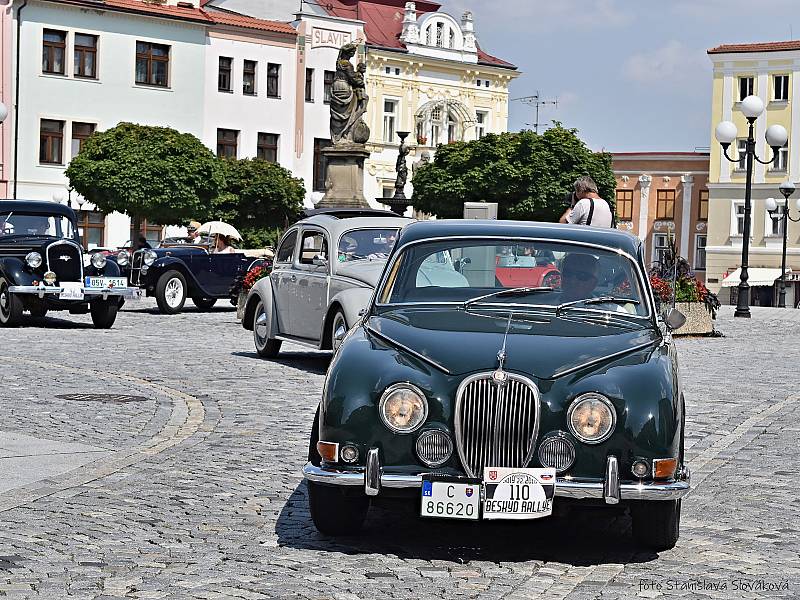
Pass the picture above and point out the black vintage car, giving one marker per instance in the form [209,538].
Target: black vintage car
[174,273]
[43,267]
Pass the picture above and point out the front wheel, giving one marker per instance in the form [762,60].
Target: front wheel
[265,346]
[656,524]
[104,313]
[334,513]
[10,306]
[171,292]
[204,303]
[338,330]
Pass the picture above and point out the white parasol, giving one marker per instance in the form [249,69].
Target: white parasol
[221,228]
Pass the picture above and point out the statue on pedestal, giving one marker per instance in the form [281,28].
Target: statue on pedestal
[349,99]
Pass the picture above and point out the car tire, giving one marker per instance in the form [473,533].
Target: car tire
[334,513]
[171,292]
[38,311]
[10,306]
[339,329]
[656,524]
[266,347]
[104,313]
[204,303]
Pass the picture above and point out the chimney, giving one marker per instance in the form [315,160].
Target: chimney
[468,29]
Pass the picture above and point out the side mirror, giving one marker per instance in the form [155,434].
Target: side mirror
[319,261]
[674,319]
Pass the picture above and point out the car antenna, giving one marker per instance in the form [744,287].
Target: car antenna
[501,356]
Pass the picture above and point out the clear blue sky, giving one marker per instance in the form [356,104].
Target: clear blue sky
[631,75]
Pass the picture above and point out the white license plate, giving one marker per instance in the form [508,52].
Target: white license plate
[451,500]
[106,282]
[518,493]
[71,291]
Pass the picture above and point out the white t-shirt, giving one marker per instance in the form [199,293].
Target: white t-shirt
[600,218]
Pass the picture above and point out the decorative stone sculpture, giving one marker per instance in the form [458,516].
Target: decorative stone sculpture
[349,99]
[401,167]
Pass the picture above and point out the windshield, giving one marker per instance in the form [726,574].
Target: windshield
[32,224]
[541,274]
[360,244]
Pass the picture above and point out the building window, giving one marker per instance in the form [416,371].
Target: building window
[440,35]
[775,222]
[745,87]
[249,78]
[781,160]
[152,64]
[273,80]
[665,204]
[309,85]
[51,142]
[387,191]
[481,120]
[224,76]
[741,152]
[227,142]
[267,147]
[702,213]
[80,133]
[700,252]
[452,128]
[328,86]
[320,164]
[389,120]
[92,228]
[54,47]
[625,205]
[153,232]
[739,219]
[660,247]
[780,92]
[85,55]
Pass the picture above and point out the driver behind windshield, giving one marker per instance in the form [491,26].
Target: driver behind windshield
[579,274]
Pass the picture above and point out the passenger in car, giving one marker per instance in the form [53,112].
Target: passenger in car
[579,274]
[222,245]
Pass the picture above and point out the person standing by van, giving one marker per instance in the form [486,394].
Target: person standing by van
[589,209]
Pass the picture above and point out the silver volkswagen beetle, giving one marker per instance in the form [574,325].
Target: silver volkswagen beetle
[324,272]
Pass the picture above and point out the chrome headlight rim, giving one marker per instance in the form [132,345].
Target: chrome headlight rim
[123,258]
[98,260]
[587,397]
[387,393]
[33,260]
[149,257]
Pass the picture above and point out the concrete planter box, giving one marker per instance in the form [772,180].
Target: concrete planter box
[698,319]
[240,305]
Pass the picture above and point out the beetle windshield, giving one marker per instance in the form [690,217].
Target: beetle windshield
[463,271]
[360,244]
[18,223]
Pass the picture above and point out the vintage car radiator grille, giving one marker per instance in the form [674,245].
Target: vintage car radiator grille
[496,423]
[66,261]
[136,266]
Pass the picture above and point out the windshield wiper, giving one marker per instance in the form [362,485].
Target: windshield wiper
[521,291]
[600,300]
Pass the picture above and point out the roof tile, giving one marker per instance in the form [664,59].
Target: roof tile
[757,47]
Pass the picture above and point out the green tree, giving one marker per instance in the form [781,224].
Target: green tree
[525,173]
[153,173]
[259,200]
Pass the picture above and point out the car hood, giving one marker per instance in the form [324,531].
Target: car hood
[545,348]
[366,271]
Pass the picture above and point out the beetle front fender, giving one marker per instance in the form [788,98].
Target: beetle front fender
[261,291]
[352,302]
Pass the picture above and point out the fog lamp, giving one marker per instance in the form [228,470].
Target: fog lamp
[49,278]
[664,468]
[328,451]
[349,454]
[640,468]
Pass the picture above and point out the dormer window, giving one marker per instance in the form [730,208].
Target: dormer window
[440,35]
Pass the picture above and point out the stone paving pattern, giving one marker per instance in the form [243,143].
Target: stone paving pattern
[222,513]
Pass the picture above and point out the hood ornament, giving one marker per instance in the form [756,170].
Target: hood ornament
[65,257]
[500,376]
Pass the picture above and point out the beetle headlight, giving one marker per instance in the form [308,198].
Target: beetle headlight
[591,418]
[98,260]
[403,408]
[123,258]
[149,257]
[33,260]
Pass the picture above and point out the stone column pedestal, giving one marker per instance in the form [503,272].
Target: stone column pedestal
[344,183]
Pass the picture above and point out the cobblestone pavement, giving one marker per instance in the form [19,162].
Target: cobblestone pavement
[199,492]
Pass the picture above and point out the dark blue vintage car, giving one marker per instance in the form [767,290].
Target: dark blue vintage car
[172,274]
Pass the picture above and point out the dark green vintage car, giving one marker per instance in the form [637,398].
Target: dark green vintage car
[481,401]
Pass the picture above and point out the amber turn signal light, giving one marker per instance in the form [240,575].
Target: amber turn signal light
[664,468]
[329,451]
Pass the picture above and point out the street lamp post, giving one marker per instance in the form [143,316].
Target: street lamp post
[726,132]
[787,189]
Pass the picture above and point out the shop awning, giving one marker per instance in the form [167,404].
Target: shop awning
[757,276]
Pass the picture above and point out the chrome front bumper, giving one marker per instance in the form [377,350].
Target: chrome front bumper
[611,489]
[49,290]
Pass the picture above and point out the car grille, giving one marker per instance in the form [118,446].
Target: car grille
[496,424]
[66,261]
[136,266]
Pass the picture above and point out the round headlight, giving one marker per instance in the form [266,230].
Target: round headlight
[49,278]
[123,258]
[591,418]
[403,408]
[149,257]
[98,260]
[34,260]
